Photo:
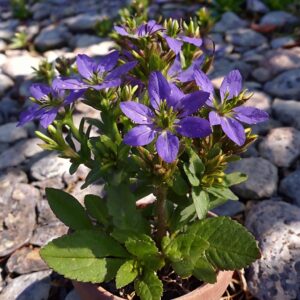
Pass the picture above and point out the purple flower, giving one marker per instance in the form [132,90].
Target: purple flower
[169,116]
[229,118]
[176,43]
[143,30]
[186,75]
[98,74]
[49,101]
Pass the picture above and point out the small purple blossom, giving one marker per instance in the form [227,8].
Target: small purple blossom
[229,119]
[176,43]
[186,75]
[49,101]
[143,30]
[170,115]
[98,74]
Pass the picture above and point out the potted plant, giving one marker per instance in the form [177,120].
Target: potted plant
[165,137]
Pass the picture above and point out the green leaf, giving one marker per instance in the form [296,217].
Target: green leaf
[144,248]
[222,192]
[85,255]
[149,287]
[126,274]
[121,206]
[68,209]
[204,271]
[194,181]
[231,246]
[235,178]
[179,185]
[194,169]
[201,202]
[97,208]
[184,251]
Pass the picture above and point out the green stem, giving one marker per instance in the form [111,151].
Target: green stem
[161,214]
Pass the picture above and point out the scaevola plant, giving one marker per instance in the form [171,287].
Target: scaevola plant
[162,129]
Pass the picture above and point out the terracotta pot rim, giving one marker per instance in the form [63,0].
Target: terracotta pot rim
[206,291]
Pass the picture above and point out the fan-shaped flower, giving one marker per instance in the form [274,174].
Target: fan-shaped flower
[229,118]
[170,116]
[96,73]
[49,101]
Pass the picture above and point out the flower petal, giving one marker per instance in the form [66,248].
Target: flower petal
[68,84]
[231,84]
[250,115]
[194,127]
[39,90]
[174,44]
[119,71]
[167,146]
[188,74]
[47,117]
[149,28]
[234,130]
[137,112]
[158,88]
[73,96]
[107,84]
[107,63]
[204,83]
[175,68]
[29,114]
[214,118]
[175,96]
[121,30]
[139,136]
[190,103]
[194,41]
[85,65]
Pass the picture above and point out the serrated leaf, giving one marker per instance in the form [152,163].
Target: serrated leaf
[231,245]
[68,209]
[235,178]
[85,255]
[126,274]
[121,206]
[144,248]
[184,251]
[149,286]
[223,193]
[201,202]
[204,271]
[97,208]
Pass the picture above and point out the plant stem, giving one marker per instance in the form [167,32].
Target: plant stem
[161,214]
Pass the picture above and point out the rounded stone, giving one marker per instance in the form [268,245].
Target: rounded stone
[18,218]
[34,286]
[25,260]
[290,186]
[49,166]
[245,37]
[5,83]
[281,146]
[229,21]
[287,112]
[20,65]
[52,37]
[260,100]
[276,226]
[262,178]
[278,18]
[10,133]
[286,85]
